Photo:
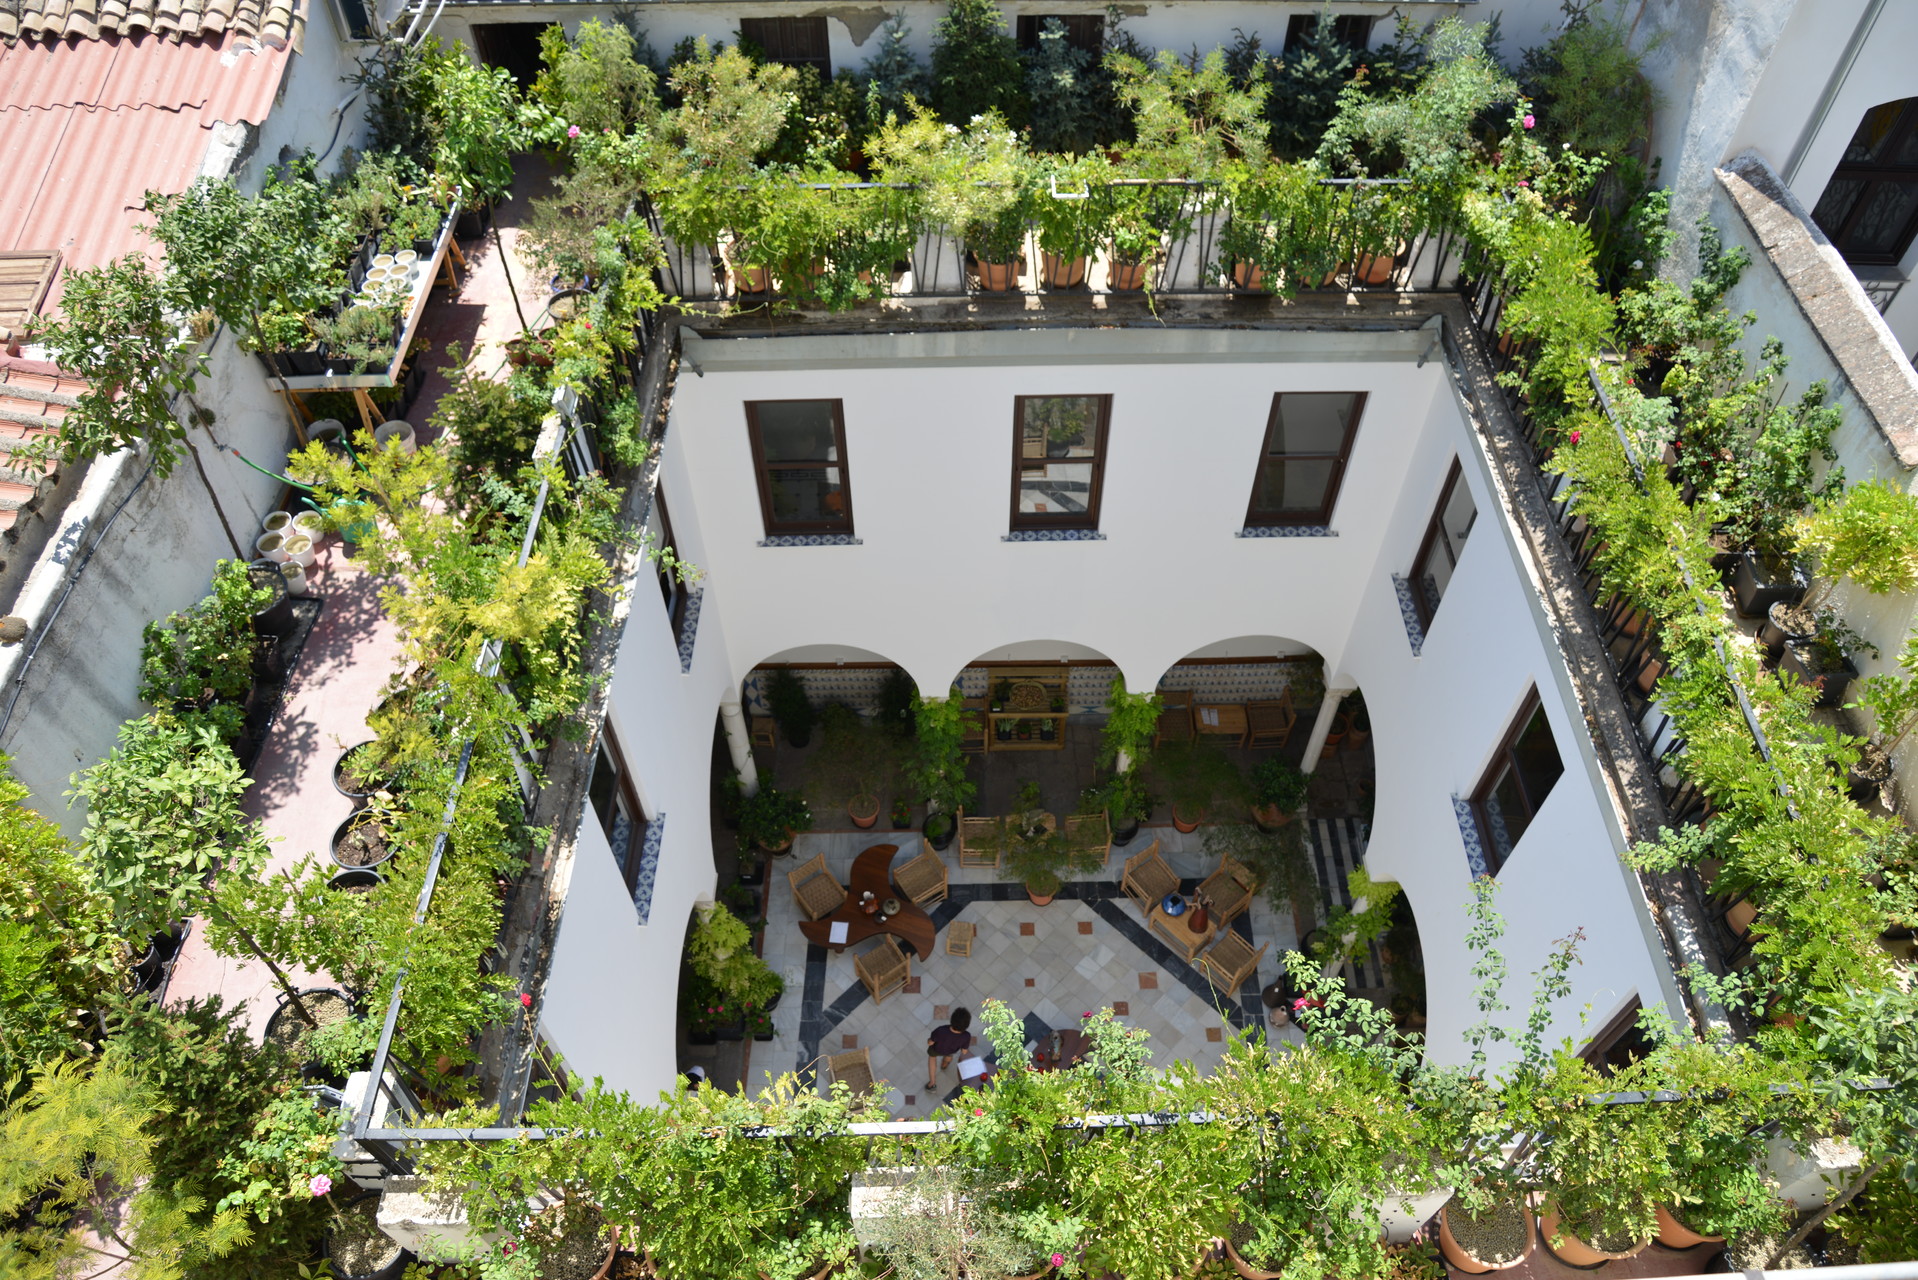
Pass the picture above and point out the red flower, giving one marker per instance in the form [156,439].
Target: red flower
[978,1111]
[1574,435]
[525,1000]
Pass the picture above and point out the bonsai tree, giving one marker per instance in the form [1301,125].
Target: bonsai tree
[770,819]
[1277,791]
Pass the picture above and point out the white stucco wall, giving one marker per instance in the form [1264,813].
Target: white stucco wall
[928,422]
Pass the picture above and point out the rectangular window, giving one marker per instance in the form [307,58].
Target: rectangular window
[1444,544]
[1085,31]
[797,42]
[675,593]
[1058,460]
[1354,31]
[1515,786]
[799,451]
[617,807]
[1307,441]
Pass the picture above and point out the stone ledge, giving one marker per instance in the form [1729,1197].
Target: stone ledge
[1829,295]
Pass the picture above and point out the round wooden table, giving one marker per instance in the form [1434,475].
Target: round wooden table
[872,872]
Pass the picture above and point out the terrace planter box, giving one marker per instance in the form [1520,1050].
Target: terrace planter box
[1801,661]
[1756,586]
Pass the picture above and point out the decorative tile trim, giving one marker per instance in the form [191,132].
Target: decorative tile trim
[1474,842]
[812,540]
[1054,535]
[1287,531]
[1408,609]
[688,629]
[648,866]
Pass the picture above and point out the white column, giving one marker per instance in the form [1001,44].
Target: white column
[1315,745]
[740,743]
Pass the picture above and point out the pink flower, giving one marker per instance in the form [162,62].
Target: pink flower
[320,1185]
[1574,435]
[1058,1259]
[526,1000]
[1523,183]
[978,1111]
[572,131]
[508,1247]
[1530,120]
[1086,1014]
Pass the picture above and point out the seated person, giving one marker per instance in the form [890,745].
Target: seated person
[946,1041]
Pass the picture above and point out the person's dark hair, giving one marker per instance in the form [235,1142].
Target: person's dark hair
[961,1018]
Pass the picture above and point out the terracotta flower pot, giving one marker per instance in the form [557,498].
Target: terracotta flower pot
[863,810]
[1376,268]
[1249,276]
[1246,1269]
[1000,277]
[754,279]
[1270,817]
[1674,1234]
[1573,1251]
[1461,1260]
[1186,823]
[1063,273]
[1126,277]
[1039,899]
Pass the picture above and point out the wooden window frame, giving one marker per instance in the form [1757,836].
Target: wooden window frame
[1621,1029]
[777,49]
[1323,516]
[762,469]
[1424,608]
[623,783]
[1500,761]
[1299,28]
[1871,174]
[1083,30]
[1089,519]
[675,594]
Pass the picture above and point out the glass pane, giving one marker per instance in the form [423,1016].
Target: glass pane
[1312,423]
[1875,131]
[1506,815]
[1059,427]
[797,430]
[1055,488]
[806,495]
[1287,487]
[1454,526]
[1879,228]
[1535,758]
[1835,205]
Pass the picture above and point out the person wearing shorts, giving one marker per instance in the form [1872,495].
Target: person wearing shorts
[946,1041]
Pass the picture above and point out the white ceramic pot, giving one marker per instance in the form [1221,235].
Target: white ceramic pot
[295,575]
[298,548]
[271,546]
[276,522]
[310,524]
[384,259]
[397,429]
[406,257]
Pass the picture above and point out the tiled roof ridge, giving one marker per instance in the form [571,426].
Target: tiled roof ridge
[272,22]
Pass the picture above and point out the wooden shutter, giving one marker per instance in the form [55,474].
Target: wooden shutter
[25,277]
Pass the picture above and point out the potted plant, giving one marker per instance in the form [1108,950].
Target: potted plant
[1277,791]
[366,839]
[769,821]
[901,814]
[1893,702]
[1823,662]
[786,698]
[1606,1169]
[1195,776]
[855,761]
[355,1245]
[1067,209]
[938,767]
[1133,237]
[1124,800]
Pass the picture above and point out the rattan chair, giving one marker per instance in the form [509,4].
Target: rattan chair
[816,890]
[980,840]
[972,727]
[1148,879]
[924,878]
[854,1067]
[1089,832]
[1228,891]
[885,969]
[1230,963]
[762,732]
[959,936]
[1175,717]
[1269,724]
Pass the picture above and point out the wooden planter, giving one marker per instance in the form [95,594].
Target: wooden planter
[1573,1251]
[1674,1234]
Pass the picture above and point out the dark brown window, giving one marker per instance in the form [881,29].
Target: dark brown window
[799,451]
[1444,544]
[1307,441]
[1618,1043]
[1353,31]
[797,42]
[1058,460]
[1083,30]
[676,593]
[1515,786]
[617,807]
[1870,206]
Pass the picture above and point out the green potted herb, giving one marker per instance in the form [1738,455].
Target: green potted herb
[1068,206]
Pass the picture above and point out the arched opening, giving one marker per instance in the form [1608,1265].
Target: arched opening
[1035,711]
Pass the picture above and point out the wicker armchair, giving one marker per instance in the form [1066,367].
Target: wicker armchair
[816,890]
[1089,832]
[924,878]
[885,969]
[1147,878]
[854,1068]
[1175,717]
[1229,964]
[1228,891]
[1269,724]
[980,840]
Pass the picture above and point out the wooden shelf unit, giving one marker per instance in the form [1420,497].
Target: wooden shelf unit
[1034,691]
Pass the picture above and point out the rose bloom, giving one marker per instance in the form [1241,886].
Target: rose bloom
[320,1185]
[1058,1259]
[1530,121]
[572,131]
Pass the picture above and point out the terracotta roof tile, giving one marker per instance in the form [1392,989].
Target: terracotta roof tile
[49,21]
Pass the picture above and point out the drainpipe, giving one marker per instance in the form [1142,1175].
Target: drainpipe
[740,743]
[1859,34]
[1328,708]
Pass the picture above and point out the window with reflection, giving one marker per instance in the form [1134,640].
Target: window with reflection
[1521,775]
[1058,460]
[1870,206]
[617,807]
[1444,544]
[799,451]
[1307,441]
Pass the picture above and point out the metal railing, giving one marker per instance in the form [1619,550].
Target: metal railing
[1193,215]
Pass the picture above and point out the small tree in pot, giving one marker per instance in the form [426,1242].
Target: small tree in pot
[769,820]
[1033,848]
[786,699]
[1278,792]
[939,769]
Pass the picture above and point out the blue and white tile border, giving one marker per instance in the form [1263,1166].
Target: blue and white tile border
[811,540]
[1408,609]
[689,629]
[1287,531]
[1474,843]
[1054,535]
[648,866]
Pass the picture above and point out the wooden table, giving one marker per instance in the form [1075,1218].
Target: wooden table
[1231,721]
[1073,1044]
[872,870]
[1175,930]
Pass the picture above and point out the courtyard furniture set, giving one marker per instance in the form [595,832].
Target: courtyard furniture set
[1265,724]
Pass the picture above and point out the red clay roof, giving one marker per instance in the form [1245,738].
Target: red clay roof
[274,22]
[87,129]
